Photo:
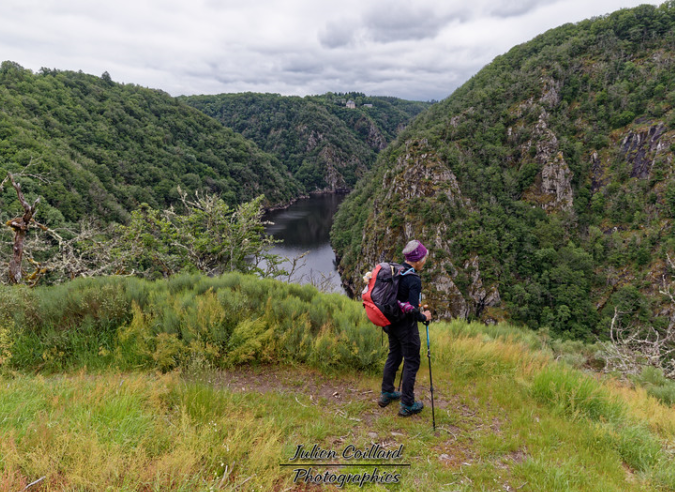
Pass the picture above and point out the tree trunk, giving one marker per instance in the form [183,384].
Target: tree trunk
[20,226]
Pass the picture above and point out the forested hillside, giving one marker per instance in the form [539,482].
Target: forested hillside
[99,148]
[544,186]
[326,145]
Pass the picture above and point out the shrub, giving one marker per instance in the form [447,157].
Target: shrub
[6,343]
[656,384]
[185,321]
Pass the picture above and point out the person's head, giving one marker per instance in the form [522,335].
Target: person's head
[415,254]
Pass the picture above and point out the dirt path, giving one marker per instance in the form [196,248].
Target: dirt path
[454,450]
[335,392]
[286,379]
[332,392]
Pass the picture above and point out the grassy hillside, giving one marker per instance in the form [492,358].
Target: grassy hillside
[239,372]
[101,148]
[544,185]
[325,145]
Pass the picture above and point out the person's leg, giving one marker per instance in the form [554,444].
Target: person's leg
[410,346]
[393,362]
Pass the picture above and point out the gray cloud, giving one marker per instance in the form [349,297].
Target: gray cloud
[401,22]
[303,65]
[416,50]
[510,8]
[337,34]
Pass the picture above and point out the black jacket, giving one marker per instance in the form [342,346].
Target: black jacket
[410,290]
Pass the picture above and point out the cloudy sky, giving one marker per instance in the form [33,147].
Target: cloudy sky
[415,49]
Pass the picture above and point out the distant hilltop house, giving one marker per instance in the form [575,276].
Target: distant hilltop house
[351,104]
[367,105]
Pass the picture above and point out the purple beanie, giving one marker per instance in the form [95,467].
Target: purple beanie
[414,251]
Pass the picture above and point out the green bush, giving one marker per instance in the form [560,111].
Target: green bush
[185,321]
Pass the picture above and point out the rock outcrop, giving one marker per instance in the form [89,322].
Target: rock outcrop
[373,136]
[552,189]
[551,91]
[641,148]
[418,178]
[556,185]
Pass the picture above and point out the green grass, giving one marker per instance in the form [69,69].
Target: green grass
[657,385]
[148,431]
[145,393]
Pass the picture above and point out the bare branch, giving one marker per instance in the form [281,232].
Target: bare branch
[632,348]
[23,174]
[20,226]
[297,263]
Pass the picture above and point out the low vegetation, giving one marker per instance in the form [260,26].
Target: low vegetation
[187,321]
[210,383]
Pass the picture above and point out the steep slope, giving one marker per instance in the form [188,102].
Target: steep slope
[326,145]
[101,148]
[543,186]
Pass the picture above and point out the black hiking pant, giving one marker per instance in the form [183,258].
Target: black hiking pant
[404,343]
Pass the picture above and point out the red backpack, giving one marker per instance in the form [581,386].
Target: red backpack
[380,295]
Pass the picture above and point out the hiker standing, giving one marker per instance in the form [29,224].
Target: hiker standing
[404,336]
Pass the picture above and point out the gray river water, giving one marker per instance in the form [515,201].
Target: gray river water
[304,227]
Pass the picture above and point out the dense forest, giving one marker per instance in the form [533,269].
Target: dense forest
[110,162]
[326,145]
[100,148]
[544,186]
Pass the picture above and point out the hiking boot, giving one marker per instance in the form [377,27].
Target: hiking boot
[407,411]
[387,398]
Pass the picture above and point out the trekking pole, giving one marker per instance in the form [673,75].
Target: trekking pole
[431,381]
[400,381]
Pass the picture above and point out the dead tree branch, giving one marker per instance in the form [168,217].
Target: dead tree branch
[20,226]
[632,348]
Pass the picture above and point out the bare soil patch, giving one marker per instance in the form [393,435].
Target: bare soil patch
[290,380]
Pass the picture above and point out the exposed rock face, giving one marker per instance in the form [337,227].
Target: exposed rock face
[597,173]
[421,174]
[556,184]
[313,140]
[552,189]
[332,160]
[374,137]
[477,292]
[551,91]
[335,161]
[638,147]
[333,176]
[449,301]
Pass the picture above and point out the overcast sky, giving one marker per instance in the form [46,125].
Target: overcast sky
[415,49]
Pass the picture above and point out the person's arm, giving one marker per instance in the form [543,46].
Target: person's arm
[414,297]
